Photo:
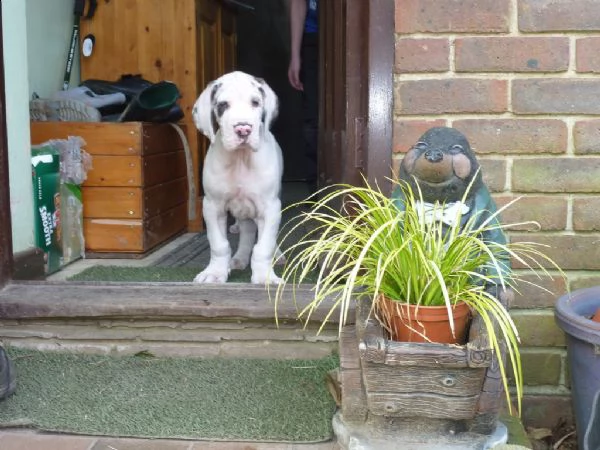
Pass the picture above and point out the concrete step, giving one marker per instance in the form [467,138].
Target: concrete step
[165,319]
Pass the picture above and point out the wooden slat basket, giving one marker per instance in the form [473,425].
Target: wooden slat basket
[390,379]
[135,196]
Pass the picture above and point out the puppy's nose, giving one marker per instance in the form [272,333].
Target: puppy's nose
[242,129]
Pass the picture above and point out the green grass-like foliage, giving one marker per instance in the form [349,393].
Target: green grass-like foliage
[371,248]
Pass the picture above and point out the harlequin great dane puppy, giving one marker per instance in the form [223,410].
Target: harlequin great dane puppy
[241,175]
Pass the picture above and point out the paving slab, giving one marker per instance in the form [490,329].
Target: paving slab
[17,439]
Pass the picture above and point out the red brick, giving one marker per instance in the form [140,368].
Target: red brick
[553,15]
[588,54]
[586,136]
[515,135]
[548,175]
[451,96]
[543,295]
[396,167]
[453,16]
[570,252]
[422,55]
[546,411]
[512,54]
[584,281]
[494,173]
[586,214]
[408,132]
[538,328]
[549,212]
[541,367]
[561,96]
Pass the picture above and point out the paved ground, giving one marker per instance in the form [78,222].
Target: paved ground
[30,440]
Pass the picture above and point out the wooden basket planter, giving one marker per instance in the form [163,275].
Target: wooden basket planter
[440,382]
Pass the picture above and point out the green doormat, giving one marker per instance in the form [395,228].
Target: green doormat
[158,274]
[150,274]
[136,396]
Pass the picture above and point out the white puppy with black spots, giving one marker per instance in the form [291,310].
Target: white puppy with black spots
[241,175]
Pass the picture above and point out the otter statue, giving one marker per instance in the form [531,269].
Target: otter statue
[442,166]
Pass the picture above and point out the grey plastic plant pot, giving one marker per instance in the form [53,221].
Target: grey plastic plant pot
[572,313]
[591,440]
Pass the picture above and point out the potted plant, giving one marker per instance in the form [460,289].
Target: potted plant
[382,250]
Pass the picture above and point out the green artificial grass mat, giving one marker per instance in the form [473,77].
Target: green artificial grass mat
[151,274]
[160,274]
[156,397]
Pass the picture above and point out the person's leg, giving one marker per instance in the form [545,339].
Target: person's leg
[309,74]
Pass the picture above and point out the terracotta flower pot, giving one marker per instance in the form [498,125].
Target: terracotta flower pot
[411,323]
[596,316]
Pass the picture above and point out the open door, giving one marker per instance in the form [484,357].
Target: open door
[356,96]
[343,90]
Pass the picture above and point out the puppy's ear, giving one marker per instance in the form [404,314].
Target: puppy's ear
[203,113]
[270,101]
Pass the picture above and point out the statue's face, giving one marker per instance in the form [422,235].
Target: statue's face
[441,163]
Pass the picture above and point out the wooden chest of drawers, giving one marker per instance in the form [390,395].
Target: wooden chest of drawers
[135,195]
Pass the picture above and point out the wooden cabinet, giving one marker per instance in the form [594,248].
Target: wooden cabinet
[135,195]
[188,42]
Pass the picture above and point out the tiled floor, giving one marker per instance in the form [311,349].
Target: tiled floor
[30,440]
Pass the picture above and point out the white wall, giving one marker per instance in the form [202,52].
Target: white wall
[49,26]
[36,36]
[17,122]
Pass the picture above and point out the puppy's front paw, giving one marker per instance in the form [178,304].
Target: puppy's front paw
[238,263]
[235,227]
[211,276]
[265,278]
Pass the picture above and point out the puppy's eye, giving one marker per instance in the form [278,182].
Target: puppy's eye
[221,108]
[255,102]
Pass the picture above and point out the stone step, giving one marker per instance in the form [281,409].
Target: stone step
[165,319]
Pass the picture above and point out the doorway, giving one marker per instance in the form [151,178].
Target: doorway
[345,126]
[263,51]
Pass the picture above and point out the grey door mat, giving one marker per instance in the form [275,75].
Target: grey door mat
[143,396]
[194,253]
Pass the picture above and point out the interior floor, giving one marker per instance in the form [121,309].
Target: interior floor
[191,249]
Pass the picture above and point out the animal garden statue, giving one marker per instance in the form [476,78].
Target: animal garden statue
[440,401]
[443,168]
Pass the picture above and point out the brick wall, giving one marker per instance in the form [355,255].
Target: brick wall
[521,79]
